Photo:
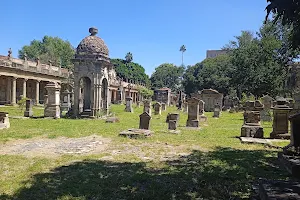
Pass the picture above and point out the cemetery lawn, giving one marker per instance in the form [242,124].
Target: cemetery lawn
[210,163]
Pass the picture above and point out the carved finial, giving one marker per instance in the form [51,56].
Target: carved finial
[9,53]
[93,31]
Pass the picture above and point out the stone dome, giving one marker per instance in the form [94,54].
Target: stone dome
[92,47]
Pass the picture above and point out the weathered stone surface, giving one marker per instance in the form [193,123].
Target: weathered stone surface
[279,190]
[136,133]
[201,107]
[172,116]
[210,97]
[163,107]
[145,121]
[163,95]
[128,107]
[157,108]
[52,106]
[28,110]
[255,131]
[290,163]
[217,111]
[193,112]
[172,125]
[4,120]
[202,118]
[147,106]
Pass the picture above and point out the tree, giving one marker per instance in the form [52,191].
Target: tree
[288,12]
[212,73]
[167,75]
[60,52]
[131,71]
[129,57]
[182,49]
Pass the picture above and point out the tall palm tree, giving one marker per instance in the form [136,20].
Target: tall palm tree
[182,49]
[128,57]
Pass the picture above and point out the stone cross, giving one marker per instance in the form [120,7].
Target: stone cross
[145,121]
[193,112]
[129,105]
[28,111]
[157,108]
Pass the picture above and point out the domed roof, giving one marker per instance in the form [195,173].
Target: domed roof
[92,46]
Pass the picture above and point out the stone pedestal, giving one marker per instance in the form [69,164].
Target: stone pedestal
[147,106]
[52,108]
[252,127]
[157,109]
[4,120]
[280,120]
[217,111]
[172,116]
[193,112]
[129,105]
[266,112]
[28,111]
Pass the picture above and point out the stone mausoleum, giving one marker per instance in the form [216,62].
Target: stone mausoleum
[163,95]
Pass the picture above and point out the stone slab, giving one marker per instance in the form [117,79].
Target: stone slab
[175,131]
[275,189]
[290,163]
[252,131]
[251,140]
[112,120]
[136,133]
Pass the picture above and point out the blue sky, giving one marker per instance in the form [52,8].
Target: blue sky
[152,30]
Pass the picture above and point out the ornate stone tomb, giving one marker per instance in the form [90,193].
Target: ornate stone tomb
[4,120]
[52,108]
[280,119]
[28,111]
[193,112]
[145,121]
[129,104]
[157,108]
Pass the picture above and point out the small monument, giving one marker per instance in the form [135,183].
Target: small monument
[52,106]
[163,107]
[145,121]
[193,113]
[157,108]
[280,119]
[217,111]
[228,104]
[4,120]
[129,105]
[266,112]
[252,126]
[28,111]
[147,106]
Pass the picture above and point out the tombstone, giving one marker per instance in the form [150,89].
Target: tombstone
[180,101]
[28,111]
[66,100]
[193,112]
[138,104]
[4,120]
[266,112]
[163,107]
[172,125]
[172,116]
[252,126]
[129,105]
[201,107]
[280,119]
[147,106]
[185,107]
[52,108]
[145,121]
[227,103]
[217,111]
[157,108]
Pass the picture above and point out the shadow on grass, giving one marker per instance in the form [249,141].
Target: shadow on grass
[222,174]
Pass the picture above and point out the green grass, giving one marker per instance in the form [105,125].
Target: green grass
[216,165]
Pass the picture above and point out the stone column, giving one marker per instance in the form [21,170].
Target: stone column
[8,94]
[76,98]
[14,91]
[37,92]
[24,88]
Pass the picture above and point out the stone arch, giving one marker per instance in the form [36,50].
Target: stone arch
[85,93]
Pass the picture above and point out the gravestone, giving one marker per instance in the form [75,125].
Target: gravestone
[163,107]
[193,112]
[129,105]
[66,100]
[217,111]
[201,107]
[4,120]
[157,108]
[252,126]
[228,104]
[280,119]
[28,111]
[266,112]
[147,106]
[52,107]
[145,121]
[172,116]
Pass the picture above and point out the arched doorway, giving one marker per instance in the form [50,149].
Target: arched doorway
[85,94]
[104,94]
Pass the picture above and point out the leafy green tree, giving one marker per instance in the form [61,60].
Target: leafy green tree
[167,75]
[145,92]
[129,57]
[212,73]
[131,71]
[182,49]
[60,52]
[288,13]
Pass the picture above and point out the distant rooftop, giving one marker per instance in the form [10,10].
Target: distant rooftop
[214,53]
